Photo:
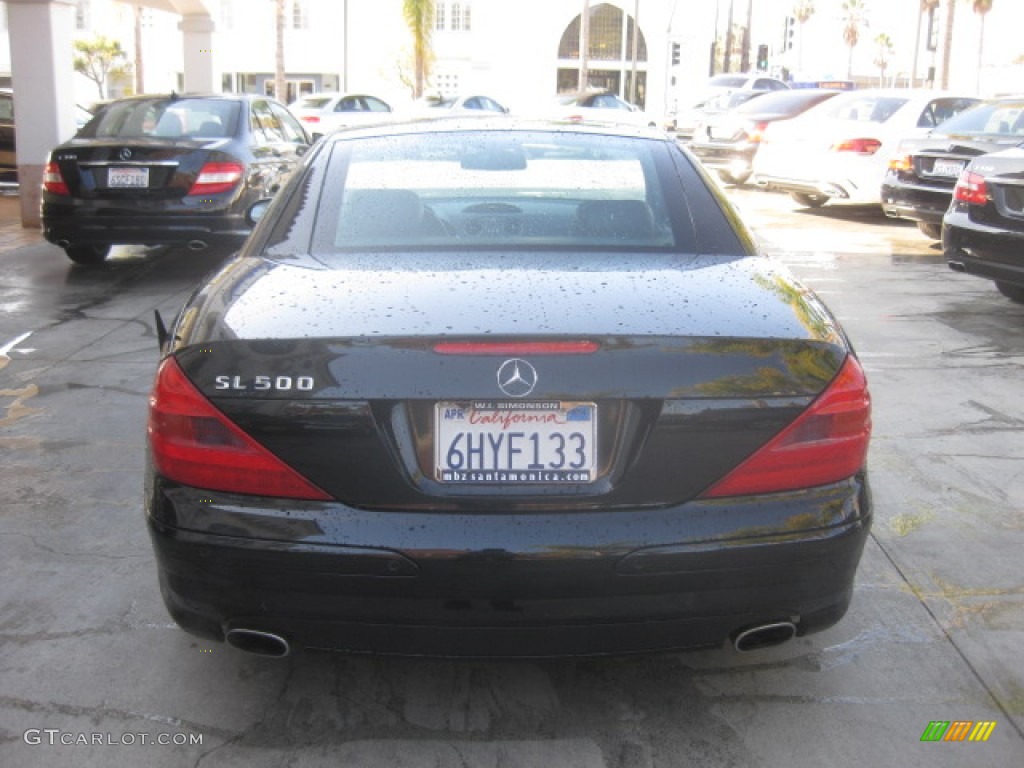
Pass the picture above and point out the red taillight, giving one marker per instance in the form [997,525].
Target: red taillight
[755,131]
[971,188]
[826,444]
[516,348]
[901,163]
[217,177]
[195,444]
[53,181]
[310,119]
[858,146]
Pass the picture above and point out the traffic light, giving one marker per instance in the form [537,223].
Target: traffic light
[787,35]
[762,57]
[675,54]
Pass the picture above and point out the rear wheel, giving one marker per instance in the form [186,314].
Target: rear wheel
[734,178]
[1012,292]
[930,229]
[87,254]
[810,201]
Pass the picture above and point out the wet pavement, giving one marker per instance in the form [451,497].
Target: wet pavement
[94,673]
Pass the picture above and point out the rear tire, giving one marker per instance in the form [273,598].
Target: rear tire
[930,229]
[730,178]
[87,254]
[809,201]
[1012,292]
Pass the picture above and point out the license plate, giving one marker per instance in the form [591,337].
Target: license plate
[128,177]
[947,168]
[515,443]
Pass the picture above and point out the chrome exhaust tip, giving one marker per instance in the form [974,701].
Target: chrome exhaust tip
[260,643]
[196,245]
[764,636]
[957,266]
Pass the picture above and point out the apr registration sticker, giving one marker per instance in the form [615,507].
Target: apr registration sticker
[519,442]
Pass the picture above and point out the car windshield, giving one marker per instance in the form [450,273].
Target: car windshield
[1005,118]
[864,108]
[484,189]
[164,118]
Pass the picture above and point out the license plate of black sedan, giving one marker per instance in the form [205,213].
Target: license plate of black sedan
[947,167]
[131,178]
[517,442]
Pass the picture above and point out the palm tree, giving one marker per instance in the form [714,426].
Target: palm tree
[947,42]
[854,18]
[926,7]
[419,15]
[802,11]
[280,85]
[981,7]
[883,52]
[140,80]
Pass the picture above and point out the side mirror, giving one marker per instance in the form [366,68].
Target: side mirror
[257,210]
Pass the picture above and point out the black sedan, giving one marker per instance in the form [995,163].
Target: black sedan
[727,141]
[480,387]
[983,230]
[920,180]
[157,170]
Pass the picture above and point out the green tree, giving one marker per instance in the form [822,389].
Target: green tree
[419,15]
[854,19]
[802,11]
[883,52]
[100,59]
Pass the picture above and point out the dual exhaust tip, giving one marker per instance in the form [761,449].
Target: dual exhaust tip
[270,644]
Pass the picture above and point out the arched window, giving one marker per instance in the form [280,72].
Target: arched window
[609,54]
[610,35]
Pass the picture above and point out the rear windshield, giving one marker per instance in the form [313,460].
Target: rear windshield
[785,102]
[865,108]
[501,189]
[312,102]
[164,118]
[1002,118]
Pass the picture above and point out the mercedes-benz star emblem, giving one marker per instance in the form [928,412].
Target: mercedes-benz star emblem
[125,153]
[517,378]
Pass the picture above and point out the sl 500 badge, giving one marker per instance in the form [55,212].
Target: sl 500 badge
[264,383]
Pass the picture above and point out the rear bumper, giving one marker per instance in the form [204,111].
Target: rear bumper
[995,253]
[506,585]
[76,225]
[915,203]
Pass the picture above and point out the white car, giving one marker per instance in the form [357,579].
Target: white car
[840,150]
[322,113]
[685,121]
[598,107]
[438,106]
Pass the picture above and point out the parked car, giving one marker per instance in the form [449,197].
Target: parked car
[505,388]
[983,230]
[685,122]
[599,107]
[322,113]
[839,150]
[178,169]
[922,173]
[727,141]
[449,106]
